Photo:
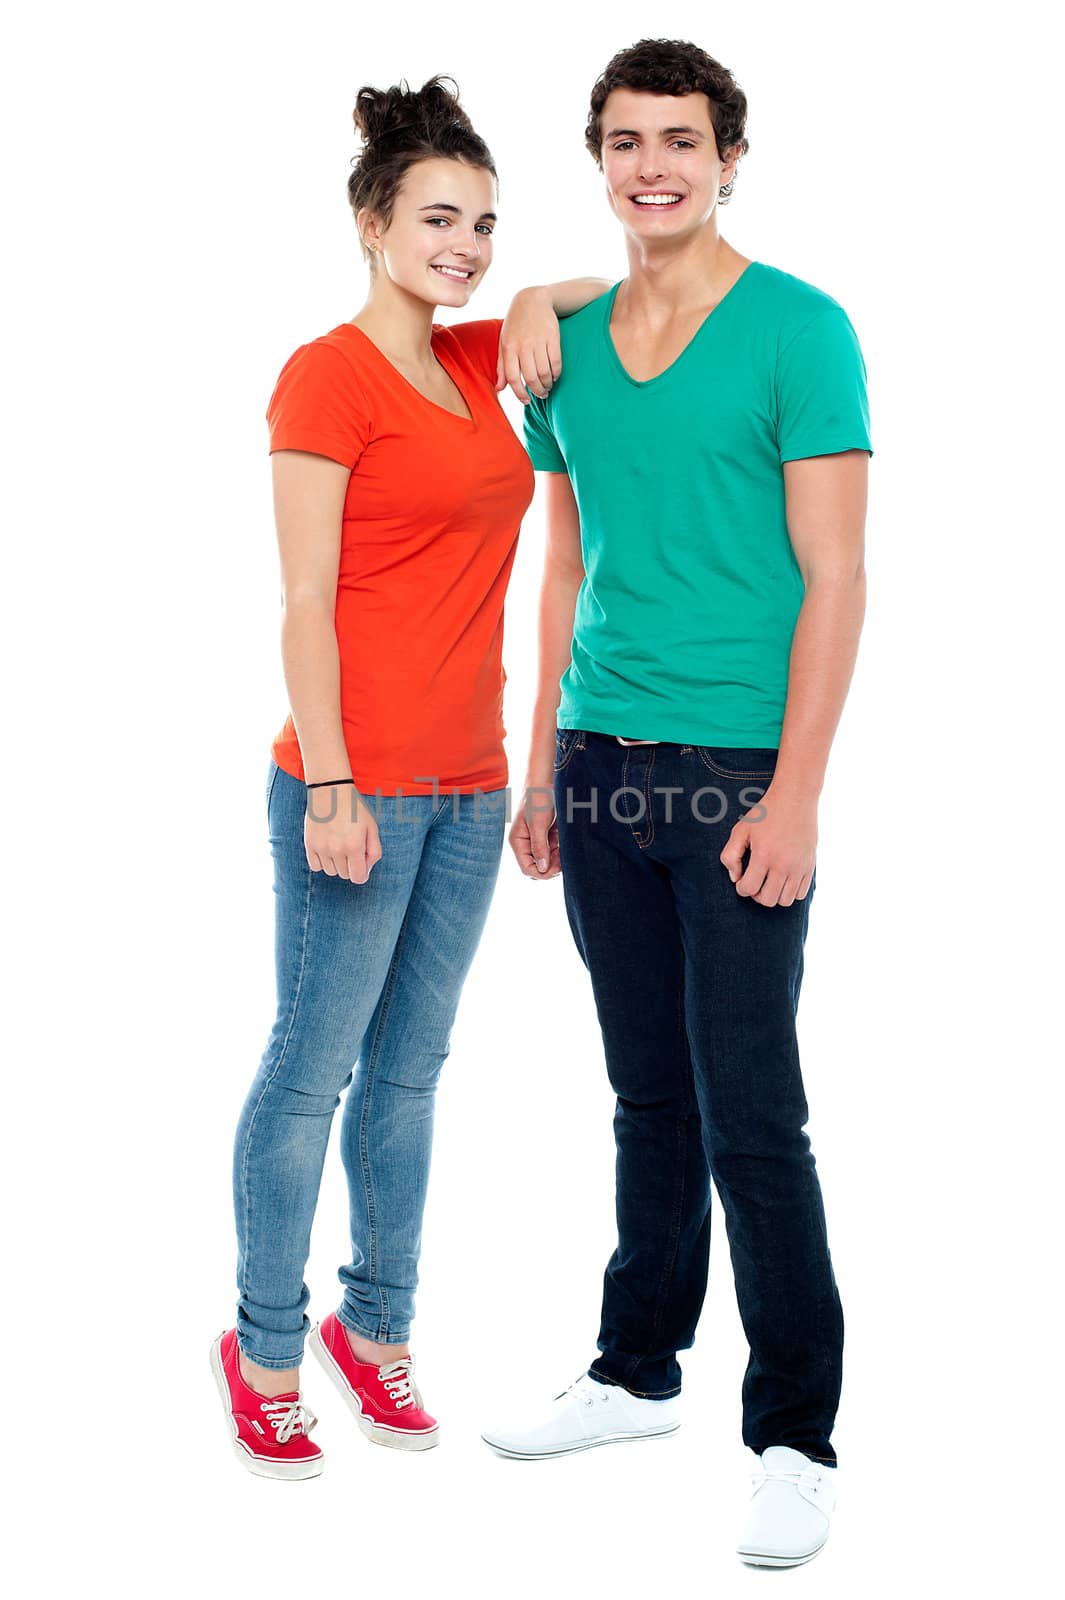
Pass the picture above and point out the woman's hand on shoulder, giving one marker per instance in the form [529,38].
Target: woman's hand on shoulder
[530,349]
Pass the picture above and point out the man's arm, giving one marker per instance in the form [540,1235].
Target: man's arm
[533,835]
[826,500]
[530,351]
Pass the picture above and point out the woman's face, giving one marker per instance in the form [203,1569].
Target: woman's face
[438,245]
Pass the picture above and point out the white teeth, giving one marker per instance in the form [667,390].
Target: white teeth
[453,272]
[656,199]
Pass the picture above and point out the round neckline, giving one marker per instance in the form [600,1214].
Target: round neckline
[467,422]
[646,383]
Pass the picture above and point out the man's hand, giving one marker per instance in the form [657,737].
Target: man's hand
[530,350]
[782,839]
[534,833]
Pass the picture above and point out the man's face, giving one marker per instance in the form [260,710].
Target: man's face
[660,162]
[438,244]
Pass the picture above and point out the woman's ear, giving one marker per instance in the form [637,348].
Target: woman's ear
[369,232]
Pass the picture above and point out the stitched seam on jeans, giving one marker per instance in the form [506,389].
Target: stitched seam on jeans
[364,1119]
[670,1263]
[625,784]
[648,813]
[270,787]
[640,1394]
[304,941]
[366,1333]
[816,1202]
[569,753]
[826,1298]
[724,772]
[682,1033]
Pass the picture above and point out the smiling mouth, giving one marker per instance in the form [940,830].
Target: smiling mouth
[458,273]
[656,202]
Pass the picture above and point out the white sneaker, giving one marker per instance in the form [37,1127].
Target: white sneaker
[791,1506]
[586,1414]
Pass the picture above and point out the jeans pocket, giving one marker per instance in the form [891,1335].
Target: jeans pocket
[566,742]
[727,761]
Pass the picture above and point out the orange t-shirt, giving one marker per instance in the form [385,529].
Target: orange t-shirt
[430,530]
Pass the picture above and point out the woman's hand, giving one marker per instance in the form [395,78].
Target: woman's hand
[534,833]
[530,350]
[340,833]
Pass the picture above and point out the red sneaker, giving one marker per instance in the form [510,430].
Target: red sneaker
[269,1434]
[385,1399]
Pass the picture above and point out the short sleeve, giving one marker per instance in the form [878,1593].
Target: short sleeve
[318,405]
[822,405]
[479,343]
[540,441]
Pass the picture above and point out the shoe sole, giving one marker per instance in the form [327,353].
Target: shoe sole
[287,1471]
[753,1559]
[376,1432]
[572,1449]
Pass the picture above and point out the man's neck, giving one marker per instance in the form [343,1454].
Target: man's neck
[669,283]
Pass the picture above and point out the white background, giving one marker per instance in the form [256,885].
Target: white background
[175,193]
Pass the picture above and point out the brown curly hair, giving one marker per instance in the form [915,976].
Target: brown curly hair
[400,126]
[673,66]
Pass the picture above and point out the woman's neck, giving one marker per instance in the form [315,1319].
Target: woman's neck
[399,323]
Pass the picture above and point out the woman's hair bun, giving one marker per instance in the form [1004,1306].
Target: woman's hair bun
[401,126]
[382,114]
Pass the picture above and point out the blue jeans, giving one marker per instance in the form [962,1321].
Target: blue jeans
[368,983]
[696,989]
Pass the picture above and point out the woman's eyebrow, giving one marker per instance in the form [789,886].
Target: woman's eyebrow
[442,205]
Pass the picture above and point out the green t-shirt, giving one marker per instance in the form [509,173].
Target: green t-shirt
[684,620]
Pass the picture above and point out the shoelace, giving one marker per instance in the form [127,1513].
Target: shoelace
[803,1478]
[581,1389]
[287,1417]
[398,1380]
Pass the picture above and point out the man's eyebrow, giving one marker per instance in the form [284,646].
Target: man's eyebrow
[442,205]
[632,133]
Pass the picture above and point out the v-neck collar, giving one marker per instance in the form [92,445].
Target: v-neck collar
[646,383]
[448,366]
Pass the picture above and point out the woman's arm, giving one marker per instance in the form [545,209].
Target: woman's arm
[530,351]
[309,493]
[571,295]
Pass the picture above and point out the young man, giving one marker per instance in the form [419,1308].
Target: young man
[707,452]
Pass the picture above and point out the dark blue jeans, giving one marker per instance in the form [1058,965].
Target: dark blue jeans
[696,988]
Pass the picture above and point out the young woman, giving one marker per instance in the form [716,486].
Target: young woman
[399,489]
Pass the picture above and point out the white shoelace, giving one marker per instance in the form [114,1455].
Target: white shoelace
[287,1417]
[397,1378]
[804,1477]
[582,1389]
